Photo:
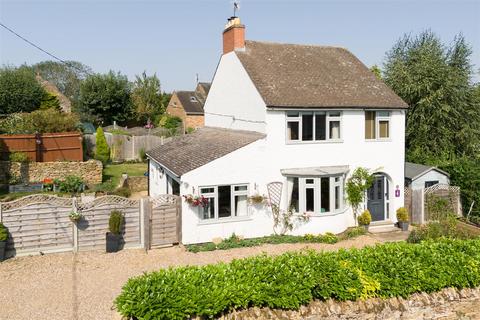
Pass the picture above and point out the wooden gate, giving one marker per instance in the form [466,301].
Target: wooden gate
[165,221]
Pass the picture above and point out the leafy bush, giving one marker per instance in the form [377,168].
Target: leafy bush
[3,232]
[402,214]
[122,192]
[102,151]
[365,218]
[294,279]
[115,222]
[71,184]
[351,233]
[447,228]
[41,121]
[18,157]
[170,122]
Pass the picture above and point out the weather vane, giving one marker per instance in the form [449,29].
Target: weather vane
[236,6]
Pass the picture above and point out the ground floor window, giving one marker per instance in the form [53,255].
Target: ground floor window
[173,187]
[315,194]
[225,201]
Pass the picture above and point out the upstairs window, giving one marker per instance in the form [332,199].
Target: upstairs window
[377,125]
[313,126]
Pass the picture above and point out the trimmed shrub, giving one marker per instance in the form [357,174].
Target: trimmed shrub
[102,151]
[115,222]
[71,184]
[365,218]
[353,232]
[122,192]
[3,232]
[294,279]
[402,214]
[18,157]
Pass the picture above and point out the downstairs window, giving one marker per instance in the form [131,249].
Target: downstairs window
[225,201]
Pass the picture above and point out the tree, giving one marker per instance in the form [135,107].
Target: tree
[147,97]
[50,101]
[376,71]
[443,120]
[356,186]
[102,151]
[105,98]
[67,77]
[19,90]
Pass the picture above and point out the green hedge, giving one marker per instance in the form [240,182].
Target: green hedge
[294,279]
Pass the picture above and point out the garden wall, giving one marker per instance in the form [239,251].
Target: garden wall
[90,171]
[446,304]
[64,146]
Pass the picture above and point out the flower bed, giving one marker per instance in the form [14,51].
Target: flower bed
[294,279]
[236,242]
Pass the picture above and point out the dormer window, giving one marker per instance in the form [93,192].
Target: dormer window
[304,126]
[193,99]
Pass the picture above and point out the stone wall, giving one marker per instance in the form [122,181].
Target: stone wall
[90,171]
[447,304]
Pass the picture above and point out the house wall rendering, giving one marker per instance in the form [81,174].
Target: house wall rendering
[233,101]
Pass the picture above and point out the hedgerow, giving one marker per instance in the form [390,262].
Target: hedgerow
[294,279]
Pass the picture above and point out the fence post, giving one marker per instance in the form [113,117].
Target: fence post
[145,212]
[1,216]
[75,228]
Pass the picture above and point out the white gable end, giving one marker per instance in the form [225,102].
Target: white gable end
[233,101]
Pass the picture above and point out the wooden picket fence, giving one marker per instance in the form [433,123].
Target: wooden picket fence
[41,224]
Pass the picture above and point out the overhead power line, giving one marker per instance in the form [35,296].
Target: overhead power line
[39,48]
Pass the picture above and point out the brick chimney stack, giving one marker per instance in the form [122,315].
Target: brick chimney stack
[233,35]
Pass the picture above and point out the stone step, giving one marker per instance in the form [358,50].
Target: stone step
[383,228]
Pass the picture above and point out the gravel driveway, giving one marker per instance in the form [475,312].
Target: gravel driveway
[83,286]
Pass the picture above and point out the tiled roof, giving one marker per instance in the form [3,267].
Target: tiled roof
[304,76]
[187,152]
[191,102]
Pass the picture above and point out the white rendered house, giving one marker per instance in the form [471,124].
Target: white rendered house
[303,116]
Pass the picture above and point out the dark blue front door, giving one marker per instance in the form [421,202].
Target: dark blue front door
[376,199]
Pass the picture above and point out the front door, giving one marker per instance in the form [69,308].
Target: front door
[376,199]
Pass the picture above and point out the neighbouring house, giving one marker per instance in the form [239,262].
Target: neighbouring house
[303,117]
[188,105]
[419,176]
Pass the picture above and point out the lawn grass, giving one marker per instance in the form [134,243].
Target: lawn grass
[113,172]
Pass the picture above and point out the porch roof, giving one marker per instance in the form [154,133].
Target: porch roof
[315,171]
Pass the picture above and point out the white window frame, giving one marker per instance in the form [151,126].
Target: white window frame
[302,186]
[379,118]
[214,195]
[328,119]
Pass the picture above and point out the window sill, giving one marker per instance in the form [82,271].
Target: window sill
[314,142]
[325,214]
[378,140]
[224,220]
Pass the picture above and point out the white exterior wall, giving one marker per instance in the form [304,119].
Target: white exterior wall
[260,163]
[233,102]
[432,175]
[157,182]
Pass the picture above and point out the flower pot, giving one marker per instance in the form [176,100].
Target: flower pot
[113,242]
[403,225]
[3,248]
[365,226]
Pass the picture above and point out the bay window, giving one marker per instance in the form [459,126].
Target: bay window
[224,201]
[315,194]
[313,125]
[377,125]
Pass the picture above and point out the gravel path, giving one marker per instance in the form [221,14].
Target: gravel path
[83,286]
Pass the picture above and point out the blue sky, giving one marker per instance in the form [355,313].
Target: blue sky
[178,39]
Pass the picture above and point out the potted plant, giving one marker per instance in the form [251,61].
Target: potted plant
[402,217]
[257,199]
[364,219]
[114,237]
[3,241]
[75,216]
